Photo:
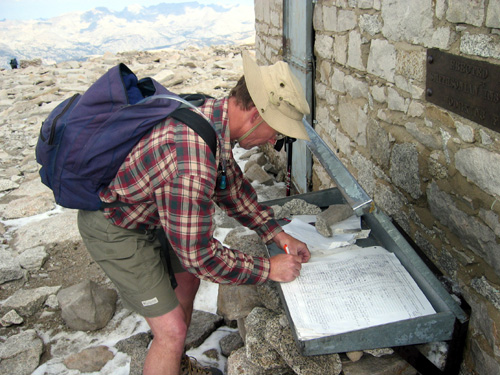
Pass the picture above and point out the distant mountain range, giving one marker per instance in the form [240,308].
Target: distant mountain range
[77,35]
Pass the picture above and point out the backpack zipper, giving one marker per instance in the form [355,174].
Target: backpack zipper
[54,123]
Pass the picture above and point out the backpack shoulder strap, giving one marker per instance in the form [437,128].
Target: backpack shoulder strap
[194,119]
[199,125]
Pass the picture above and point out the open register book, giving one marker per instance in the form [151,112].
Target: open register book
[345,288]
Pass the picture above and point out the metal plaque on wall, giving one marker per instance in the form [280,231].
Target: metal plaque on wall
[469,88]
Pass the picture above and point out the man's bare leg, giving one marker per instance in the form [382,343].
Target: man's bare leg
[164,354]
[169,330]
[186,292]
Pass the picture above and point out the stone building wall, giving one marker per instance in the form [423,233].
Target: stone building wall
[269,30]
[435,173]
[268,50]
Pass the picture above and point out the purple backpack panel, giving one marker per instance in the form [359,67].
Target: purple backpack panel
[87,137]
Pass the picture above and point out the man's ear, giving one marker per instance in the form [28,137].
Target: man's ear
[254,112]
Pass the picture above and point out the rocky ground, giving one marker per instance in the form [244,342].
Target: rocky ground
[26,97]
[41,252]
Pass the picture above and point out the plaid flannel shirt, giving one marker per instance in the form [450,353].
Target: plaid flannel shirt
[173,177]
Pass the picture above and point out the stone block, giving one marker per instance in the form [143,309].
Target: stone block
[90,359]
[410,21]
[269,296]
[318,18]
[382,59]
[387,365]
[53,229]
[334,214]
[301,207]
[279,335]
[231,343]
[258,349]
[28,301]
[20,354]
[136,347]
[379,144]
[323,45]
[329,18]
[346,20]
[237,301]
[472,232]
[33,259]
[480,45]
[480,166]
[493,14]
[370,23]
[10,269]
[484,363]
[404,169]
[487,290]
[356,88]
[87,306]
[246,241]
[238,364]
[257,174]
[259,158]
[203,324]
[11,318]
[466,11]
[354,120]
[425,135]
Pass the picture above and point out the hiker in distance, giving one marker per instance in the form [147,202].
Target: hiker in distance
[173,181]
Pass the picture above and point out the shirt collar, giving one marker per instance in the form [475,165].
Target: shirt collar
[217,111]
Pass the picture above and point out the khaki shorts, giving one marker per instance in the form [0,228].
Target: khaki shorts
[132,261]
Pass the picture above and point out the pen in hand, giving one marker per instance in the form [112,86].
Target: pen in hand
[286,249]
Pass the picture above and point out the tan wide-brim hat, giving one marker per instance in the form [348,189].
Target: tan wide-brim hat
[277,95]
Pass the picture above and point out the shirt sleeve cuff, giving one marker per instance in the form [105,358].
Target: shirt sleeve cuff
[269,230]
[264,267]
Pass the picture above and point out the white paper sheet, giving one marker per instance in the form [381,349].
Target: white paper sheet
[354,288]
[307,233]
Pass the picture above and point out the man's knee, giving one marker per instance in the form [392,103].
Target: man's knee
[186,290]
[171,326]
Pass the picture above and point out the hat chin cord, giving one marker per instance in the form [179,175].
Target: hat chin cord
[250,131]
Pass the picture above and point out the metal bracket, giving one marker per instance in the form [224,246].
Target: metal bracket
[352,192]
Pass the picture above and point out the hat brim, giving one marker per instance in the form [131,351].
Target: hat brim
[273,117]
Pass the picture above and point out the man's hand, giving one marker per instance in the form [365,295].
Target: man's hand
[285,268]
[295,247]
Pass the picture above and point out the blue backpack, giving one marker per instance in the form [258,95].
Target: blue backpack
[87,137]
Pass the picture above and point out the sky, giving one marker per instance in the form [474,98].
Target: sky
[34,9]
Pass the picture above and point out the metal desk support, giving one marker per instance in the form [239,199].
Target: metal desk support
[347,184]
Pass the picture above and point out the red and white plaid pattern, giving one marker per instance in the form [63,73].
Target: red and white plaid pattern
[173,177]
